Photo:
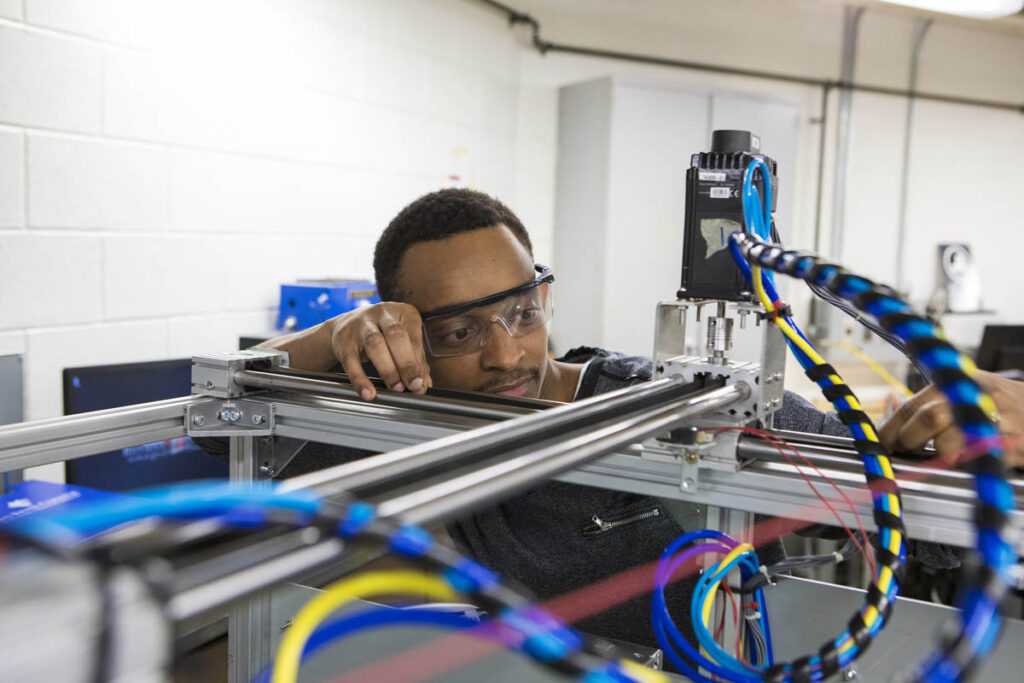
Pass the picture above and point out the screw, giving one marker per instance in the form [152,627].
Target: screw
[688,484]
[229,415]
[286,624]
[267,470]
[849,674]
[691,458]
[258,419]
[198,420]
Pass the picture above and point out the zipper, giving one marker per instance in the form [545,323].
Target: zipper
[600,526]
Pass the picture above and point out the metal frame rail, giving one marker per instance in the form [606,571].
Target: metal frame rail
[297,408]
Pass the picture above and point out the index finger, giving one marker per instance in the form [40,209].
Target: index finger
[353,365]
[889,432]
[406,349]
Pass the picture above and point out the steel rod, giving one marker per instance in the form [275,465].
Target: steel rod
[329,385]
[484,440]
[217,581]
[237,584]
[462,494]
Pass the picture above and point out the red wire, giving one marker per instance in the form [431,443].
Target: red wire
[735,617]
[865,549]
[778,443]
[721,622]
[437,656]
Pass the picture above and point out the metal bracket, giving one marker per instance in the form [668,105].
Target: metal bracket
[229,418]
[213,373]
[273,453]
[689,475]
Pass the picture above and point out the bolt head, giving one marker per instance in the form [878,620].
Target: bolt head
[267,470]
[691,458]
[849,674]
[258,419]
[198,420]
[688,484]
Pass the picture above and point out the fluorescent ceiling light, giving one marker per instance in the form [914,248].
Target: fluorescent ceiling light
[981,9]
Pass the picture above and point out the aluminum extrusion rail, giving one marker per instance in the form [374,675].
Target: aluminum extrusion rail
[74,436]
[214,582]
[938,504]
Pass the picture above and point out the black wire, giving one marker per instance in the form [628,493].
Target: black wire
[789,564]
[850,310]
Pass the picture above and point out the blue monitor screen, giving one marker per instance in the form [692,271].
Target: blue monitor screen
[111,386]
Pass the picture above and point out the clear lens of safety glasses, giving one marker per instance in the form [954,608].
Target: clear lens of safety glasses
[521,313]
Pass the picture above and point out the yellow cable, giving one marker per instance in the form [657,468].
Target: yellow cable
[642,674]
[709,599]
[876,366]
[808,350]
[289,653]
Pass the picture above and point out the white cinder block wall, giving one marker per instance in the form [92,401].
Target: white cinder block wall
[165,165]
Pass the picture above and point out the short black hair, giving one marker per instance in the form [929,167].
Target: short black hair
[436,216]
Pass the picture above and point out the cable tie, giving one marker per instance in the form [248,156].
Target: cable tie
[839,556]
[764,570]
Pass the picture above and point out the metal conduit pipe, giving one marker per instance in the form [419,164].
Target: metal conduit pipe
[543,46]
[920,33]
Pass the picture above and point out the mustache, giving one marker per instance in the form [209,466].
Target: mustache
[509,379]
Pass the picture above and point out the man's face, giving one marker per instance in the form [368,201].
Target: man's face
[470,266]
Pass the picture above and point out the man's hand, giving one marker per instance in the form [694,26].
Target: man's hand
[389,335]
[927,415]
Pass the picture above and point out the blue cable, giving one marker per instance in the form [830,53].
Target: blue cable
[241,505]
[696,604]
[665,630]
[372,618]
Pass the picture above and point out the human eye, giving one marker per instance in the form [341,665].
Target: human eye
[456,335]
[528,313]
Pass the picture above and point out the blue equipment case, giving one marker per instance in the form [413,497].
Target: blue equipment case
[310,302]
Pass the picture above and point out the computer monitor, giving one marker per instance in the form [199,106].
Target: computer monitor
[100,387]
[1002,348]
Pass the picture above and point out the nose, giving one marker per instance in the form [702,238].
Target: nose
[501,350]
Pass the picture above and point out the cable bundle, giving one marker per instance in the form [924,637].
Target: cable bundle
[866,623]
[538,633]
[974,412]
[711,656]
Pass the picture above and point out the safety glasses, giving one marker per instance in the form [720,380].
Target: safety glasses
[463,328]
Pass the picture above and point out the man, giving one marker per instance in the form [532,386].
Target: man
[465,307]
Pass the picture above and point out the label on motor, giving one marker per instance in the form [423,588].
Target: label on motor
[712,176]
[721,192]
